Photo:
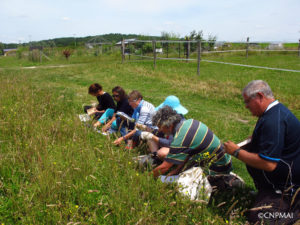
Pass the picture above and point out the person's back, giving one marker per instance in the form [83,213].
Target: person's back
[195,139]
[146,113]
[105,102]
[277,137]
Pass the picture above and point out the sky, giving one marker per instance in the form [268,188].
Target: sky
[229,20]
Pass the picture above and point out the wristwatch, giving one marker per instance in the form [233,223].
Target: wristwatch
[236,153]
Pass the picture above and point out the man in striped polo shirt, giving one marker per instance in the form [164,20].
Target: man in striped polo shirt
[193,141]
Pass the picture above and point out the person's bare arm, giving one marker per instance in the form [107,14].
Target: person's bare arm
[108,125]
[251,159]
[162,169]
[125,137]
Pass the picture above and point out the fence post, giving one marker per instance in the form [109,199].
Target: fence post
[123,50]
[299,48]
[188,50]
[129,53]
[100,49]
[167,49]
[154,53]
[247,47]
[179,49]
[199,57]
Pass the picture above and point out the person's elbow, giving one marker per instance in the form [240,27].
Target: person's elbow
[270,166]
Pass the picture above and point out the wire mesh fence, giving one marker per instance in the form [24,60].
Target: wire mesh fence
[195,50]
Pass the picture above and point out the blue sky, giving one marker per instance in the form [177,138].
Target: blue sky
[230,20]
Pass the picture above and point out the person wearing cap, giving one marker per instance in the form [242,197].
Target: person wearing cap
[273,156]
[193,142]
[159,143]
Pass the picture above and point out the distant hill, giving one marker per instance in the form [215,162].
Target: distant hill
[80,41]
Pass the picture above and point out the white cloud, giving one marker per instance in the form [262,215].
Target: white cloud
[65,18]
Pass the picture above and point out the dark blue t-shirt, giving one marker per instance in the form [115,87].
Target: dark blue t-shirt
[276,137]
[123,106]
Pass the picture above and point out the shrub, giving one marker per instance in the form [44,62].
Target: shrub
[67,53]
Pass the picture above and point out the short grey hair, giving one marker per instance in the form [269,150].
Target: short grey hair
[166,116]
[256,86]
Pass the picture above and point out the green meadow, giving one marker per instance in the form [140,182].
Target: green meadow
[55,170]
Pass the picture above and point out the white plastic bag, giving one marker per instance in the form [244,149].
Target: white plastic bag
[84,117]
[192,183]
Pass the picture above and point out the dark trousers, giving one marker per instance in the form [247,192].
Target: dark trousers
[280,212]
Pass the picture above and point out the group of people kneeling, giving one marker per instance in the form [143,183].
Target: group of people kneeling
[272,158]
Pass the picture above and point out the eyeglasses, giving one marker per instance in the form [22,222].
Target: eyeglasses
[132,100]
[116,96]
[249,99]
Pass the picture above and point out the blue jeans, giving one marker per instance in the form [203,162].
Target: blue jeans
[136,136]
[108,114]
[123,128]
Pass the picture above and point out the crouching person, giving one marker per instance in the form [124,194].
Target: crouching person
[106,107]
[159,143]
[123,106]
[193,141]
[142,114]
[273,157]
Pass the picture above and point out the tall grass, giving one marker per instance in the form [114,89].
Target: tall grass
[55,170]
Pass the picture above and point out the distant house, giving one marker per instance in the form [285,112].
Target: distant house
[89,45]
[126,41]
[219,44]
[254,45]
[275,46]
[159,50]
[9,51]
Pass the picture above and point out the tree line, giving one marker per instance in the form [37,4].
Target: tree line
[113,38]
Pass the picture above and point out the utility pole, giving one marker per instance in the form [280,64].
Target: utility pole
[74,39]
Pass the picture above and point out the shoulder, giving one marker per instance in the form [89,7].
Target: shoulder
[123,102]
[106,94]
[278,113]
[186,125]
[147,107]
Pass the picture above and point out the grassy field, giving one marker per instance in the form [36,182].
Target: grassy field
[56,171]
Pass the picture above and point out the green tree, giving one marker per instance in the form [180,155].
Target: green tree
[211,41]
[194,36]
[1,48]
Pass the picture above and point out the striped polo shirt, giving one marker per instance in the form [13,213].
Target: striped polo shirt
[194,139]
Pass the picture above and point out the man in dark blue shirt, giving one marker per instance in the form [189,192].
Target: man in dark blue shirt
[273,156]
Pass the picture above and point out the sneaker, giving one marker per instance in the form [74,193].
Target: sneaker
[129,146]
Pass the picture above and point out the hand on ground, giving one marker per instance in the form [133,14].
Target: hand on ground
[118,141]
[105,128]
